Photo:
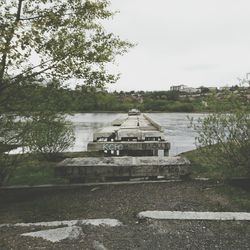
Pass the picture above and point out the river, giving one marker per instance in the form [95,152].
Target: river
[176,128]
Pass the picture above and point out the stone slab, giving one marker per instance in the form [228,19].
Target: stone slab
[179,215]
[58,234]
[93,222]
[130,167]
[125,161]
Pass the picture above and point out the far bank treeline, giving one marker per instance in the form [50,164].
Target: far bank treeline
[52,97]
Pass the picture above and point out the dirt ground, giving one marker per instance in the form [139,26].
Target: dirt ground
[124,202]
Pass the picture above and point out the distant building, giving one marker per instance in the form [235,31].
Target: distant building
[185,89]
[177,87]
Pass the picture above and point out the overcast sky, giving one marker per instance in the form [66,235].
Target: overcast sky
[192,42]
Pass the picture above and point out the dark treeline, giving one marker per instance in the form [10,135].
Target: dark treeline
[84,98]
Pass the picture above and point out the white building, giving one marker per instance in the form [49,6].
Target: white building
[185,89]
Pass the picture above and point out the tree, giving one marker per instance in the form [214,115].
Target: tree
[173,95]
[41,40]
[65,38]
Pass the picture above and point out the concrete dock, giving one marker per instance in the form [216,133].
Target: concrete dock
[126,167]
[135,135]
[133,147]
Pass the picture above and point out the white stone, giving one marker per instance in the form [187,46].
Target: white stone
[58,234]
[178,215]
[93,222]
[101,222]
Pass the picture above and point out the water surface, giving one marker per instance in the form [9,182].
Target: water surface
[176,128]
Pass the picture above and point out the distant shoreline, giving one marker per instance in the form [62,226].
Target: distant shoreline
[125,112]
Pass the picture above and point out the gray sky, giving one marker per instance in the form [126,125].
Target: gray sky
[192,42]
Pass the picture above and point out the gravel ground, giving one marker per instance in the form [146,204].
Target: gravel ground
[123,202]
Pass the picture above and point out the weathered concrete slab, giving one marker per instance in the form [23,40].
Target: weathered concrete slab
[178,215]
[93,222]
[118,121]
[58,234]
[131,167]
[125,161]
[139,126]
[104,132]
[154,123]
[131,129]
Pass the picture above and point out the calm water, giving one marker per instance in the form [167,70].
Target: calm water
[176,128]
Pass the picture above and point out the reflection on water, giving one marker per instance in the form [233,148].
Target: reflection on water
[176,128]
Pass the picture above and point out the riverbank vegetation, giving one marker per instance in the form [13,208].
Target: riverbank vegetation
[223,144]
[51,96]
[36,169]
[205,167]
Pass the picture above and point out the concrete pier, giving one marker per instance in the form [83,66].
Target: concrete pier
[103,168]
[135,135]
[134,147]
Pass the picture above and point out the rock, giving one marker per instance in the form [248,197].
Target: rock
[58,234]
[93,222]
[191,215]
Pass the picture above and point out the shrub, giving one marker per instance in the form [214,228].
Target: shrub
[225,140]
[48,134]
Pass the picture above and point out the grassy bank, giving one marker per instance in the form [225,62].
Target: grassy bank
[203,167]
[219,179]
[36,170]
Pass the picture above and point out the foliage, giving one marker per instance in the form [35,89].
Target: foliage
[27,97]
[47,133]
[35,170]
[44,133]
[224,139]
[7,138]
[65,37]
[206,166]
[7,167]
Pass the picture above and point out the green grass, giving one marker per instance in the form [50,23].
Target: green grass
[35,175]
[36,170]
[238,197]
[208,168]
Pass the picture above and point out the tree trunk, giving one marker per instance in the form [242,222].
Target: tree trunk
[7,45]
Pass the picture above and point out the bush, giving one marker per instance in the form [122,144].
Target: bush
[225,140]
[48,134]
